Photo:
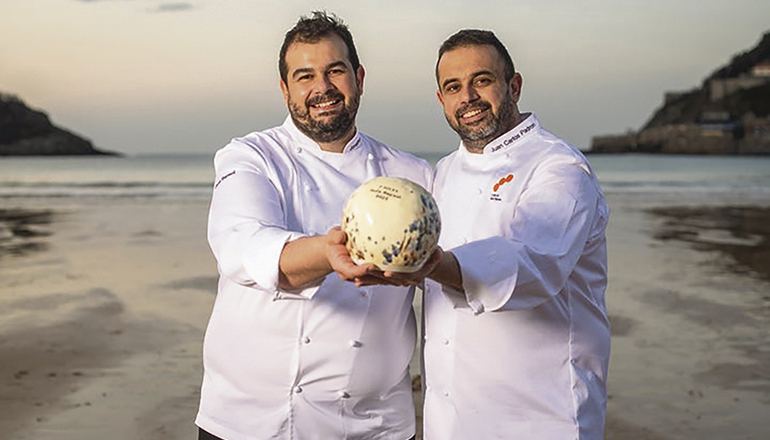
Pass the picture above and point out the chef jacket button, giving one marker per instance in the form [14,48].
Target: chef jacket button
[465,240]
[306,339]
[363,293]
[446,341]
[297,389]
[479,190]
[298,150]
[370,157]
[354,343]
[343,394]
[446,393]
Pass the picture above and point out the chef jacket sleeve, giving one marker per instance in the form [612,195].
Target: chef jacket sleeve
[552,222]
[247,225]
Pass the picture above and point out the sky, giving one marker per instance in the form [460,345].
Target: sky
[173,77]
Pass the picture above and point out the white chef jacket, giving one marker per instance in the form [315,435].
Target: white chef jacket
[524,354]
[329,361]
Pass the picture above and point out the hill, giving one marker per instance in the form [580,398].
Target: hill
[28,132]
[728,114]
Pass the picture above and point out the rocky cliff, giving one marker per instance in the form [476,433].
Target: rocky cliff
[729,113]
[28,132]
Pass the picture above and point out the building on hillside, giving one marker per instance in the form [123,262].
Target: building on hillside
[758,75]
[761,69]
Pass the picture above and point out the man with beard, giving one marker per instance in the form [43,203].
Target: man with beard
[516,332]
[292,350]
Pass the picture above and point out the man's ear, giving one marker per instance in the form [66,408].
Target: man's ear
[440,98]
[515,86]
[285,92]
[360,73]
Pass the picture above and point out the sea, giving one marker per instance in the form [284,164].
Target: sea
[190,177]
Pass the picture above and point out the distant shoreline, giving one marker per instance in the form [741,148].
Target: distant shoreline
[668,153]
[28,132]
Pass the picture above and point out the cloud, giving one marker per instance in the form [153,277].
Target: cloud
[163,7]
[173,7]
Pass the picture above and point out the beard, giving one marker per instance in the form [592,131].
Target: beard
[332,127]
[478,135]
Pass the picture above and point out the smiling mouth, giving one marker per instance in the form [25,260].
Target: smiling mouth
[472,113]
[327,104]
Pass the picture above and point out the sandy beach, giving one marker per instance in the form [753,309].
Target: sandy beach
[103,306]
[102,315]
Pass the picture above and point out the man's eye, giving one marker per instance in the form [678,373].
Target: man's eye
[452,88]
[483,81]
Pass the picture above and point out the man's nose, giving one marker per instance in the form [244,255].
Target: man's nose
[324,84]
[469,94]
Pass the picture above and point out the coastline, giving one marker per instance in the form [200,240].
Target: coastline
[104,309]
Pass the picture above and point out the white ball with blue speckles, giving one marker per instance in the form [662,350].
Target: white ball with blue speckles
[391,222]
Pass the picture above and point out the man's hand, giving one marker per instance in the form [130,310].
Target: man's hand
[368,275]
[339,258]
[403,278]
[442,267]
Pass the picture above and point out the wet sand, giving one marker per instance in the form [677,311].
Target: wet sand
[689,303]
[103,308]
[22,230]
[102,321]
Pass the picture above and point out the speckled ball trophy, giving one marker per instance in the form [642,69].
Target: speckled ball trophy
[391,222]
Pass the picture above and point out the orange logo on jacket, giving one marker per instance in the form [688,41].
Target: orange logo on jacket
[503,181]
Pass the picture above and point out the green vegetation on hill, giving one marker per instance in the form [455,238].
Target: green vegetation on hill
[684,109]
[755,100]
[742,63]
[690,107]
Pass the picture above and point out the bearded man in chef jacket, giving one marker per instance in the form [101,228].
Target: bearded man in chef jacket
[517,339]
[292,350]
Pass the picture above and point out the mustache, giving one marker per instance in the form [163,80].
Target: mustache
[480,105]
[330,95]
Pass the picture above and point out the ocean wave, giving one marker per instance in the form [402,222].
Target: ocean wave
[105,184]
[683,188]
[12,190]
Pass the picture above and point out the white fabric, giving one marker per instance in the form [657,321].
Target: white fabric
[524,354]
[326,362]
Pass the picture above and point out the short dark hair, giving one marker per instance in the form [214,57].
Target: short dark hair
[477,37]
[312,30]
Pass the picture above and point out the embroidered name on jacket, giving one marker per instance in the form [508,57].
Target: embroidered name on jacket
[495,189]
[513,138]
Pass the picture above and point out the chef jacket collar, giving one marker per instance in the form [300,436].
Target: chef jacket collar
[511,138]
[303,140]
